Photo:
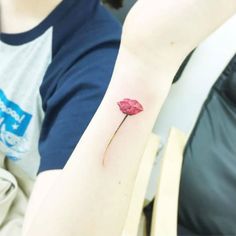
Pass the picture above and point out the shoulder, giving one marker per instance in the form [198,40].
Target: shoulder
[82,37]
[84,28]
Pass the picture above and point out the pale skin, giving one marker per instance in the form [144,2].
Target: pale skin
[87,198]
[18,16]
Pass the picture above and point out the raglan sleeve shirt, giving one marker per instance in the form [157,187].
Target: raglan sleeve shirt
[72,93]
[52,80]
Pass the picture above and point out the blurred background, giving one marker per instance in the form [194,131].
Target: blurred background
[122,12]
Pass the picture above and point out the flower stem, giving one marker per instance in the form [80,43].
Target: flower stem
[104,159]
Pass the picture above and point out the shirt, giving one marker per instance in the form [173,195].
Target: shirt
[52,79]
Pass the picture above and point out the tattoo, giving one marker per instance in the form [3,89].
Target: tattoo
[129,107]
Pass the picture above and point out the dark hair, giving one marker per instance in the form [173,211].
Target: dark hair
[114,3]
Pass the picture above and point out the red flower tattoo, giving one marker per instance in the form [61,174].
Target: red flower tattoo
[129,107]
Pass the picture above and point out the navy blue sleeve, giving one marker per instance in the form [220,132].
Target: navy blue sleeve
[84,50]
[70,108]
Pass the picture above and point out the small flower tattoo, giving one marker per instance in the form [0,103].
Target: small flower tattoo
[129,107]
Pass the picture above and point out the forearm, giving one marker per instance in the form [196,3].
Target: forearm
[175,25]
[87,192]
[90,198]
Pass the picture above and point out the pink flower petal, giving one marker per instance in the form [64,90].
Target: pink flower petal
[130,106]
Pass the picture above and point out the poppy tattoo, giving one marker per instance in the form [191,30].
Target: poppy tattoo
[129,107]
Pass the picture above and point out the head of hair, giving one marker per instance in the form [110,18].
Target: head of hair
[114,3]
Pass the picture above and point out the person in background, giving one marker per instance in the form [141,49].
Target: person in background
[56,61]
[91,195]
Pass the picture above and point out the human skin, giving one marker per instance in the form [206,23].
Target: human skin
[22,15]
[87,198]
[18,16]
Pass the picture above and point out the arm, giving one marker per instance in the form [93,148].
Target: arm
[89,198]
